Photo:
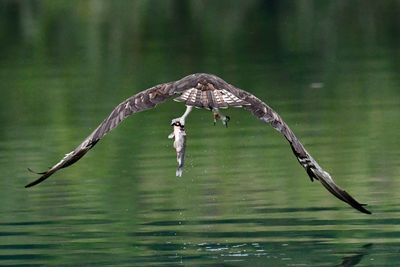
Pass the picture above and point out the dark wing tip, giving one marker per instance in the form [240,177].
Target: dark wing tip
[343,195]
[68,160]
[354,203]
[44,175]
[326,180]
[38,181]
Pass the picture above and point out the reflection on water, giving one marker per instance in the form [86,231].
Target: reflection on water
[329,69]
[355,259]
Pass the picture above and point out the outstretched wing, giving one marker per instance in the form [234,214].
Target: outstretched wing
[206,83]
[314,171]
[144,100]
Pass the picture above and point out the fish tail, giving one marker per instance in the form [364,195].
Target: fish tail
[179,171]
[180,158]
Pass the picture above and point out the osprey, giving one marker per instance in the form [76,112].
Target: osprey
[210,92]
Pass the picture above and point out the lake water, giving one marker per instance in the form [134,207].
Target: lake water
[243,199]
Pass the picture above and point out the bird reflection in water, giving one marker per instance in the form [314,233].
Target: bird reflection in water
[355,259]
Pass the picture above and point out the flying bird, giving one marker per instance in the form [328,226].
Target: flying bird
[210,92]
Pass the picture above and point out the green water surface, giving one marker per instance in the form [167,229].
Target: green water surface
[330,68]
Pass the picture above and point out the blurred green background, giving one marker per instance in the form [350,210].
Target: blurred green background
[330,68]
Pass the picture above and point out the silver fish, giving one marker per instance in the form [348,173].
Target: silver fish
[179,136]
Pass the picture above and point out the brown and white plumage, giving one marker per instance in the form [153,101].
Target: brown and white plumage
[210,92]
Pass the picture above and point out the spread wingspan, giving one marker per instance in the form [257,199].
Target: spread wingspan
[210,92]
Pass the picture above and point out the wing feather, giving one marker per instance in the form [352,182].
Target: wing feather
[224,95]
[268,115]
[144,100]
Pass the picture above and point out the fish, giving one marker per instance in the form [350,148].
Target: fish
[179,136]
